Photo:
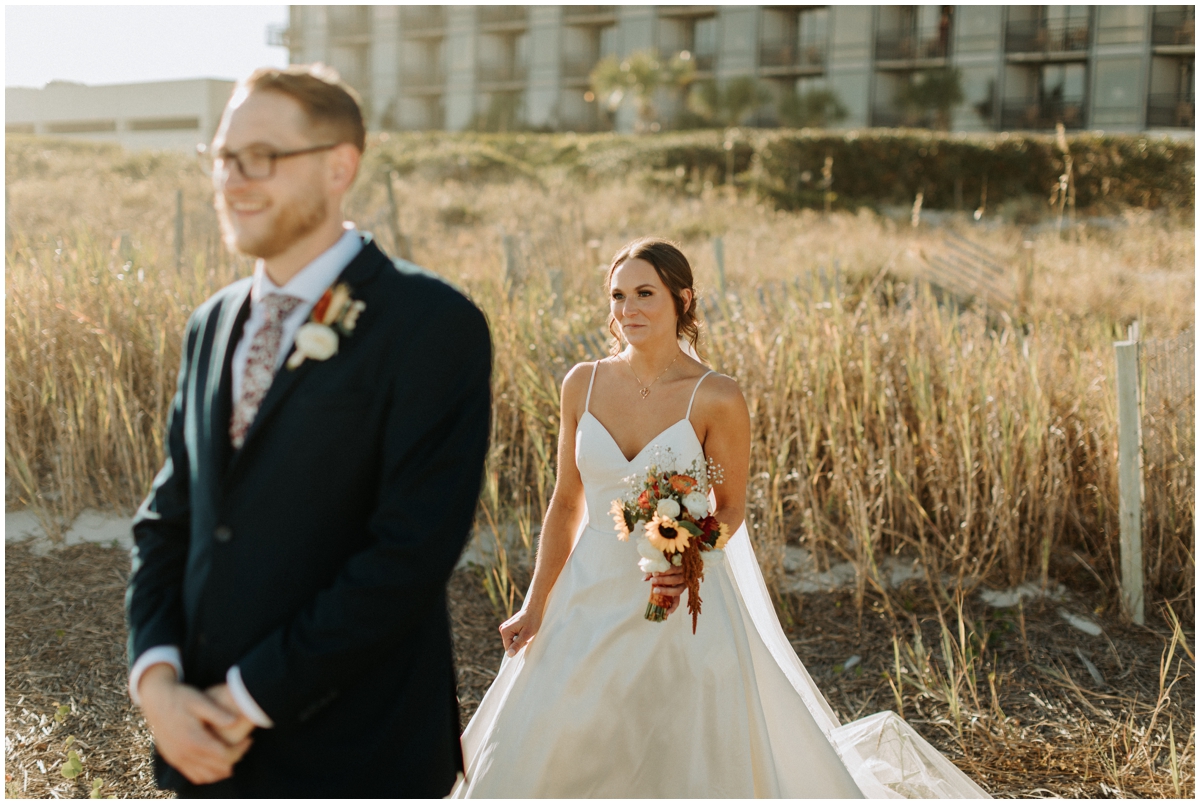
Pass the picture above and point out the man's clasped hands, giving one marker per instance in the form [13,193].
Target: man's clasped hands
[201,734]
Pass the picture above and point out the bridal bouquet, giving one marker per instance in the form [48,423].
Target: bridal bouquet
[668,512]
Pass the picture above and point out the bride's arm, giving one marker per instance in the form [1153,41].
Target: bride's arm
[723,415]
[562,517]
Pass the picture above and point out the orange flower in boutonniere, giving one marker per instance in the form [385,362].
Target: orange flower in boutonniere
[334,316]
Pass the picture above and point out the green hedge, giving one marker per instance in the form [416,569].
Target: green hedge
[871,167]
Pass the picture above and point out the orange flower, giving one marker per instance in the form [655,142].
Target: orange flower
[683,483]
[318,313]
[666,535]
[618,515]
[643,501]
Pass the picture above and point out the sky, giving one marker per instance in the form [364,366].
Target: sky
[119,44]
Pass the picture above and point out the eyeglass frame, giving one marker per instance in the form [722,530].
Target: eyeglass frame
[208,159]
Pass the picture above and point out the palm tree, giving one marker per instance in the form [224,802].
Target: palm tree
[729,103]
[639,75]
[815,108]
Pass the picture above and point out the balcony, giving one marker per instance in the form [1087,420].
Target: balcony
[576,14]
[787,55]
[1174,28]
[906,46]
[419,20]
[505,17]
[424,76]
[283,36]
[1035,36]
[501,73]
[1169,110]
[350,23]
[1042,116]
[575,67]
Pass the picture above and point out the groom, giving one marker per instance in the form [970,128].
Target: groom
[288,628]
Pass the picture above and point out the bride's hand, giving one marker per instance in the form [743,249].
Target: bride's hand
[669,583]
[516,631]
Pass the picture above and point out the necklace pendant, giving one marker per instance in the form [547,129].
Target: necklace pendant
[645,392]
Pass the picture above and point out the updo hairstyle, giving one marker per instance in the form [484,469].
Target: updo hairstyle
[675,272]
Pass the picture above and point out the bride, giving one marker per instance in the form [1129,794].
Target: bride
[593,700]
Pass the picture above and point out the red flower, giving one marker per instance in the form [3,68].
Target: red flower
[318,313]
[643,501]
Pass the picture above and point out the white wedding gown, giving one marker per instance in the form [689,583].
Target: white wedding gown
[603,703]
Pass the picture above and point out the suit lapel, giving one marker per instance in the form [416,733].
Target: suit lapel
[361,270]
[219,385]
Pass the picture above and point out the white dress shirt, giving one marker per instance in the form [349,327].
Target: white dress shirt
[308,285]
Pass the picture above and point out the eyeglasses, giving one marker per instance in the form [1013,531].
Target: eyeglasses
[252,163]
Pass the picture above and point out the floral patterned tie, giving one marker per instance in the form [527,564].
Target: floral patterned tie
[260,364]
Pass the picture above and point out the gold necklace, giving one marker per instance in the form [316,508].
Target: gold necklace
[644,390]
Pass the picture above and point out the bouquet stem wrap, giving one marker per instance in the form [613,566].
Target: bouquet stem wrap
[656,609]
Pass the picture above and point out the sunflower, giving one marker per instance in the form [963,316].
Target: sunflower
[723,537]
[683,483]
[666,535]
[618,515]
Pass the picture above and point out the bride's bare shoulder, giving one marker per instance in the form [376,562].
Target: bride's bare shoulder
[720,394]
[575,384]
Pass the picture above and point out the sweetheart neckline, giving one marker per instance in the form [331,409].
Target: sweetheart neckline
[648,443]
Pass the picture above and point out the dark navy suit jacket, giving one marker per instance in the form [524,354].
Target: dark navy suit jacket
[316,557]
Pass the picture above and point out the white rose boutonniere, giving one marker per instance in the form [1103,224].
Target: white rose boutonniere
[333,317]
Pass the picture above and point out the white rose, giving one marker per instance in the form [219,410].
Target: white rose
[652,558]
[713,558]
[316,341]
[697,504]
[668,508]
[659,564]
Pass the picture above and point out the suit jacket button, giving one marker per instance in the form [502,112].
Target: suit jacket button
[223,534]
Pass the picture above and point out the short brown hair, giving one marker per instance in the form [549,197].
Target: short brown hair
[330,104]
[675,272]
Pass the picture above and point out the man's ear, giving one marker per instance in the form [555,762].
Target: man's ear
[343,166]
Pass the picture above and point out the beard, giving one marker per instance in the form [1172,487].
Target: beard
[293,221]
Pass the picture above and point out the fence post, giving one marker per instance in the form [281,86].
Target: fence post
[1025,280]
[178,230]
[512,266]
[1129,475]
[718,245]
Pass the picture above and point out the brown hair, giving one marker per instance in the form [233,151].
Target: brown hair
[675,272]
[330,104]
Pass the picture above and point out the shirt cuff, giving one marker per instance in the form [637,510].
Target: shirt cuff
[160,654]
[245,702]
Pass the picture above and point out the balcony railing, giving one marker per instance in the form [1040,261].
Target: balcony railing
[899,46]
[577,67]
[282,36]
[575,12]
[502,15]
[423,76]
[789,54]
[1034,36]
[1169,110]
[1043,115]
[501,73]
[349,22]
[417,19]
[1174,27]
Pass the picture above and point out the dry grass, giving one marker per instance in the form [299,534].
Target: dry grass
[1030,719]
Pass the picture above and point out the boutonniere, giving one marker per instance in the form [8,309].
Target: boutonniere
[334,317]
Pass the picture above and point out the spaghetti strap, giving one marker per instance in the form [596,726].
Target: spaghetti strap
[691,401]
[587,403]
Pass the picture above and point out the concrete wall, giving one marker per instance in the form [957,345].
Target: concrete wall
[163,114]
